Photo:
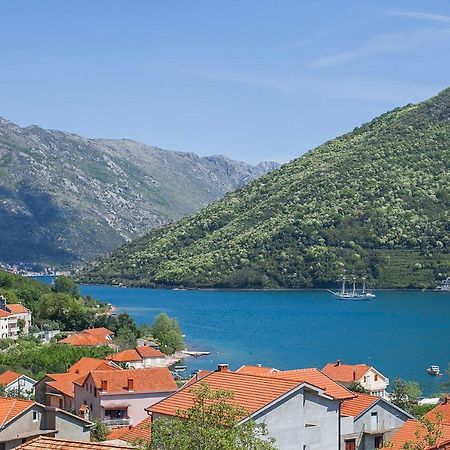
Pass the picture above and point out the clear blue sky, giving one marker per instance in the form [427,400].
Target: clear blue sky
[250,79]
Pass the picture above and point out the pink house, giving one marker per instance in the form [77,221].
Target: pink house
[119,397]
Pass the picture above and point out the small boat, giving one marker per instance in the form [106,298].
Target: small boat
[434,370]
[354,294]
[444,286]
[180,368]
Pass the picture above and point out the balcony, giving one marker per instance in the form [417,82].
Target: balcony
[117,423]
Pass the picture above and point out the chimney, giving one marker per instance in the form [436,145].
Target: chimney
[354,375]
[258,365]
[223,368]
[130,384]
[338,363]
[104,385]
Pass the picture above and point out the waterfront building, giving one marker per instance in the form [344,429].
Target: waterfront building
[48,443]
[23,420]
[298,414]
[373,381]
[139,357]
[17,384]
[92,337]
[119,397]
[57,389]
[413,431]
[368,422]
[257,370]
[14,319]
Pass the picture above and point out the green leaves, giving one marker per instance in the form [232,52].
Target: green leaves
[167,333]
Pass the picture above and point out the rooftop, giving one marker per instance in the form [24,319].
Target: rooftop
[358,404]
[8,377]
[46,443]
[256,370]
[86,365]
[345,372]
[17,308]
[89,337]
[12,407]
[443,409]
[131,434]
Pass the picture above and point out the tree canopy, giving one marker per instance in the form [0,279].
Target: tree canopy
[167,332]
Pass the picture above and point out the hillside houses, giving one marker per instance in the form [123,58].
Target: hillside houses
[92,337]
[140,357]
[17,384]
[14,319]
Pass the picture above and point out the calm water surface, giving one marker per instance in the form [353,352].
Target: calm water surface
[399,332]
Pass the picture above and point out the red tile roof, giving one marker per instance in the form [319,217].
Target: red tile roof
[125,356]
[4,313]
[345,372]
[142,431]
[8,377]
[198,376]
[317,378]
[256,370]
[408,433]
[11,407]
[443,410]
[251,392]
[149,352]
[63,382]
[357,405]
[144,380]
[46,443]
[89,338]
[86,365]
[17,308]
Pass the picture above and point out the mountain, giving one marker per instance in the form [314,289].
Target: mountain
[373,202]
[65,198]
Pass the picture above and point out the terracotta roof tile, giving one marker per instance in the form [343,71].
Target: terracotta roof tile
[4,313]
[149,352]
[8,377]
[408,433]
[317,378]
[126,356]
[86,365]
[46,443]
[356,405]
[251,392]
[101,331]
[144,380]
[11,408]
[89,337]
[198,376]
[257,370]
[345,372]
[132,434]
[17,308]
[63,382]
[442,409]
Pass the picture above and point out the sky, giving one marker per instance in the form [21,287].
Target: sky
[254,80]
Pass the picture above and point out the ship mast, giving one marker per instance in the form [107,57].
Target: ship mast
[354,285]
[364,285]
[343,285]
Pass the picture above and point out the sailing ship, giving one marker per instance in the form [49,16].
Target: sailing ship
[434,370]
[353,294]
[444,286]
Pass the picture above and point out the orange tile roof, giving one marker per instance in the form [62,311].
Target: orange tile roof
[88,338]
[11,407]
[86,365]
[149,352]
[443,410]
[357,405]
[101,332]
[251,392]
[198,376]
[63,382]
[256,370]
[408,433]
[4,313]
[17,308]
[125,356]
[132,434]
[345,372]
[158,379]
[317,378]
[47,443]
[8,377]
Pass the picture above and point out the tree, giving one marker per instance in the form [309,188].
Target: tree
[445,385]
[212,423]
[427,434]
[168,334]
[356,386]
[99,431]
[66,285]
[405,394]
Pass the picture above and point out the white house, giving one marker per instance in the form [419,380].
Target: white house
[298,414]
[16,384]
[373,381]
[14,318]
[140,357]
[368,422]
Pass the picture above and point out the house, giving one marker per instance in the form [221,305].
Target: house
[414,431]
[57,389]
[119,397]
[367,422]
[131,435]
[92,337]
[22,420]
[257,370]
[16,384]
[140,357]
[374,382]
[298,414]
[47,443]
[14,319]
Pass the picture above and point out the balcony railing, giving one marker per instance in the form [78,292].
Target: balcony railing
[117,422]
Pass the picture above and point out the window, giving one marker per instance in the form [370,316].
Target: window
[365,378]
[379,442]
[35,416]
[350,444]
[376,377]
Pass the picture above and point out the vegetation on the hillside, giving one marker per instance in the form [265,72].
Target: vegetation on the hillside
[405,394]
[167,333]
[374,202]
[210,424]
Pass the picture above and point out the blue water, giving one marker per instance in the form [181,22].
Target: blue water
[399,332]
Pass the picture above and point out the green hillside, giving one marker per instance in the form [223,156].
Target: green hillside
[374,201]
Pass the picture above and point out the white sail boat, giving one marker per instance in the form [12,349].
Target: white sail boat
[353,294]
